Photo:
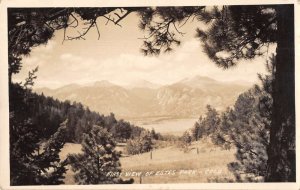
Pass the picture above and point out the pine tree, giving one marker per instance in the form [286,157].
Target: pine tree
[224,134]
[23,145]
[247,127]
[250,135]
[208,125]
[198,129]
[186,138]
[154,135]
[23,137]
[97,159]
[28,166]
[51,167]
[121,130]
[146,141]
[211,121]
[185,141]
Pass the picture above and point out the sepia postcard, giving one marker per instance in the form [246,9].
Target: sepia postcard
[149,95]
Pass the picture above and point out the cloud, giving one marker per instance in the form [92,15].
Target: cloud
[186,49]
[38,56]
[115,57]
[46,48]
[186,61]
[66,56]
[131,63]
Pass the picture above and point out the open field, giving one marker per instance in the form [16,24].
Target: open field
[171,164]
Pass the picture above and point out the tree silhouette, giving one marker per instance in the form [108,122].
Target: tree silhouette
[33,161]
[249,133]
[99,157]
[186,141]
[246,127]
[52,169]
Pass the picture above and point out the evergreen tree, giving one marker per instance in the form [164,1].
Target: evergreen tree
[154,135]
[198,129]
[186,139]
[225,133]
[247,127]
[250,135]
[208,125]
[29,166]
[136,131]
[121,130]
[23,145]
[146,141]
[51,168]
[99,157]
[23,137]
[211,121]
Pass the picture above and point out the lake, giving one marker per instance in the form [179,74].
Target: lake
[170,126]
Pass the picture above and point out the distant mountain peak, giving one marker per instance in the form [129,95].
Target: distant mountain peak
[69,86]
[197,78]
[141,83]
[103,83]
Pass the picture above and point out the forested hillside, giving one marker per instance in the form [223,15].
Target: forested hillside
[47,113]
[245,126]
[40,126]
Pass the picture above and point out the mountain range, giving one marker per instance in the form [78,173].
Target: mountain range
[185,98]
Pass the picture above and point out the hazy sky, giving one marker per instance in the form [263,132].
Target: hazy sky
[116,57]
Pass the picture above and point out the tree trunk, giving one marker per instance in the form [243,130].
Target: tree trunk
[9,78]
[281,151]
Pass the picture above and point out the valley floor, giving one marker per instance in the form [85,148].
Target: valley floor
[204,162]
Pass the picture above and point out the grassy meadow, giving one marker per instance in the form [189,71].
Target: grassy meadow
[203,162]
